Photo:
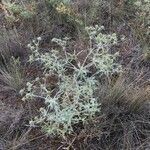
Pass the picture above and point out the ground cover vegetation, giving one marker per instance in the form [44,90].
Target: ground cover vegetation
[74,74]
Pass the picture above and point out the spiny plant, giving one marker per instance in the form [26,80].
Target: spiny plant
[73,97]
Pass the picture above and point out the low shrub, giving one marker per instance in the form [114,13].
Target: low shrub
[72,98]
[18,11]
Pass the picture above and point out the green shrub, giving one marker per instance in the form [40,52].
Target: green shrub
[66,12]
[19,11]
[14,8]
[73,98]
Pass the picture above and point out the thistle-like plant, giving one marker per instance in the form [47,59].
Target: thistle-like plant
[73,98]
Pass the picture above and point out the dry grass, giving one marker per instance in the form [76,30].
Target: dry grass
[124,122]
[12,75]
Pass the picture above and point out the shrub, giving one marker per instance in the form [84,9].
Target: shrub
[18,11]
[72,99]
[66,12]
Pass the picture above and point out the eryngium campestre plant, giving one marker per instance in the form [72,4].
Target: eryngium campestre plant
[73,98]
